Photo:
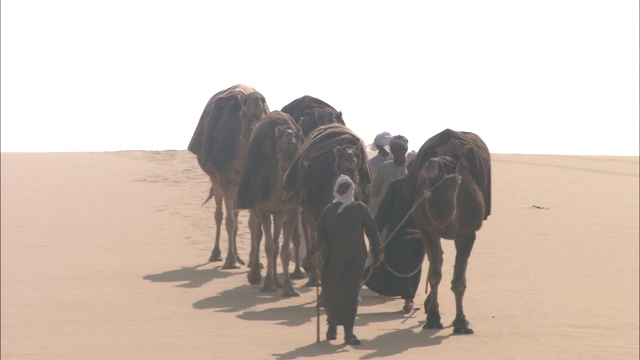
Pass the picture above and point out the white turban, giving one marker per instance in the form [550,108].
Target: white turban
[347,198]
[381,139]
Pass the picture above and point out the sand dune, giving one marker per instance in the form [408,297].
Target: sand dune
[104,256]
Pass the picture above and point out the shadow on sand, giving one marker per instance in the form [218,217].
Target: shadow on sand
[393,343]
[190,276]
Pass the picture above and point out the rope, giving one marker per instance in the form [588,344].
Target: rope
[425,194]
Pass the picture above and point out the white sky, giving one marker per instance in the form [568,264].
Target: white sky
[531,77]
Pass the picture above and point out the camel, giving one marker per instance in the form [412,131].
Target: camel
[329,151]
[451,185]
[274,144]
[220,143]
[310,113]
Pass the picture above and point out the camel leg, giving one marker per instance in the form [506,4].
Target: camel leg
[278,220]
[311,259]
[464,245]
[231,224]
[295,239]
[235,238]
[434,276]
[269,284]
[216,254]
[290,224]
[255,227]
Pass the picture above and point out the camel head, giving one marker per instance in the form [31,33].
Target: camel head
[438,169]
[288,142]
[254,106]
[347,159]
[439,180]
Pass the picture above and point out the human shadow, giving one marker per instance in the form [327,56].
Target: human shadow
[389,344]
[190,276]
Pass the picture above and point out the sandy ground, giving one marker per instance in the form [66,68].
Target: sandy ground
[104,256]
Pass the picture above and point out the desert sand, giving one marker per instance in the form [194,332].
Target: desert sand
[105,256]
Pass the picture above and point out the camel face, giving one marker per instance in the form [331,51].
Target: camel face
[255,106]
[347,159]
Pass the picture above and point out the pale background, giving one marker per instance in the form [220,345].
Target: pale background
[531,77]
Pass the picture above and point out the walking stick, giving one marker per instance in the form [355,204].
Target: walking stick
[315,265]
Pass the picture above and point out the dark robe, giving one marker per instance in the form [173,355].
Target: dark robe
[403,254]
[345,253]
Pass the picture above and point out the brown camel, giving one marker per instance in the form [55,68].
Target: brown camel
[451,185]
[220,143]
[274,144]
[329,151]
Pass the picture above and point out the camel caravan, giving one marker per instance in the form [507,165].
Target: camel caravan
[281,166]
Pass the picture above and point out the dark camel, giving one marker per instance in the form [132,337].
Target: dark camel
[274,144]
[220,143]
[451,184]
[329,151]
[310,113]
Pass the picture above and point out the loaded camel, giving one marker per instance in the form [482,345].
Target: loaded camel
[309,113]
[220,143]
[451,185]
[273,145]
[329,151]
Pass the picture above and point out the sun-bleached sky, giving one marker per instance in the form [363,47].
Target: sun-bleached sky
[531,77]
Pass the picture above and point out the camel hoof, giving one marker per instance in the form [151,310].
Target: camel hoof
[290,293]
[254,277]
[461,326]
[433,320]
[267,288]
[297,274]
[241,262]
[312,283]
[215,256]
[230,265]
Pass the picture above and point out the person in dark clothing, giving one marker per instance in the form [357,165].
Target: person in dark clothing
[400,273]
[340,229]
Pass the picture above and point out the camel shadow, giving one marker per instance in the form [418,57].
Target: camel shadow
[190,276]
[389,344]
[238,299]
[296,315]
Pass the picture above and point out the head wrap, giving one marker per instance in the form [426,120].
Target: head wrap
[399,139]
[347,198]
[381,139]
[411,156]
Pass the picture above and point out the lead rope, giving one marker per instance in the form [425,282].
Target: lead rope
[425,195]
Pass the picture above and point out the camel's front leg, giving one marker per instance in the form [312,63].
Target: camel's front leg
[235,238]
[270,245]
[231,224]
[295,239]
[434,276]
[216,254]
[311,259]
[255,227]
[290,224]
[464,245]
